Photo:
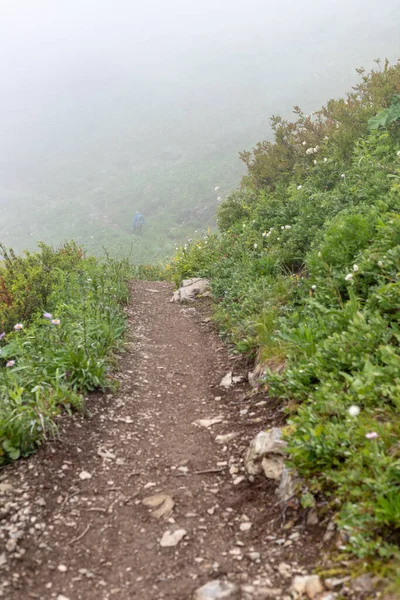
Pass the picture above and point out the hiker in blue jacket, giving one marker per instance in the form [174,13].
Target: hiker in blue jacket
[138,222]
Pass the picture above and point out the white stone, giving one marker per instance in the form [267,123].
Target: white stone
[84,475]
[226,381]
[62,568]
[288,485]
[273,467]
[239,479]
[190,289]
[217,590]
[310,585]
[170,539]
[266,445]
[209,422]
[225,438]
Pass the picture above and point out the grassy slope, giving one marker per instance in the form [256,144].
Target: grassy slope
[305,275]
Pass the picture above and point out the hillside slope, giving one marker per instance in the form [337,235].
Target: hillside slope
[305,277]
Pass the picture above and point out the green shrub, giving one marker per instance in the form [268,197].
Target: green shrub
[305,273]
[63,350]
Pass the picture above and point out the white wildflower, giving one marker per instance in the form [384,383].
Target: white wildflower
[354,410]
[299,187]
[398,153]
[304,143]
[342,175]
[288,227]
[264,234]
[314,287]
[355,268]
[315,162]
[325,160]
[349,277]
[380,264]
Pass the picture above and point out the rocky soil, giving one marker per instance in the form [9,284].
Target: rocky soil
[146,496]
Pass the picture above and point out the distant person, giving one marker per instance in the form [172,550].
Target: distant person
[138,222]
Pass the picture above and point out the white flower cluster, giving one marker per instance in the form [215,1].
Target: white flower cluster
[299,187]
[312,150]
[286,227]
[265,234]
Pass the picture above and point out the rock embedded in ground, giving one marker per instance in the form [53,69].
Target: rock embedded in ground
[266,445]
[309,585]
[164,502]
[170,539]
[217,590]
[227,437]
[288,485]
[190,289]
[209,422]
[227,381]
[273,467]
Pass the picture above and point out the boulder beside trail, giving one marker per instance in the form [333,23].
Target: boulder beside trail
[190,289]
[266,453]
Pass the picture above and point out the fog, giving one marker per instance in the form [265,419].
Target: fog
[109,107]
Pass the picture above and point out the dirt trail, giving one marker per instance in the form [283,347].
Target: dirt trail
[93,538]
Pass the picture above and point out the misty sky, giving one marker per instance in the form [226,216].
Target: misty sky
[91,84]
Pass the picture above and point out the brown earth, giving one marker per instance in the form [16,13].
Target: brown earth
[94,539]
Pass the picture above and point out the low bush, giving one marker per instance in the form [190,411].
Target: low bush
[305,274]
[58,343]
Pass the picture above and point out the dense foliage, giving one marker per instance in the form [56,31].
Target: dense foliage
[61,316]
[305,274]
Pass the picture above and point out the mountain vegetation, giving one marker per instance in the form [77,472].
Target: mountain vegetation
[61,321]
[305,277]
